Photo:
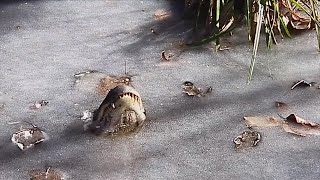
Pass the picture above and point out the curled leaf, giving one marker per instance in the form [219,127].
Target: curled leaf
[166,57]
[299,126]
[28,137]
[191,90]
[247,139]
[39,104]
[302,83]
[292,124]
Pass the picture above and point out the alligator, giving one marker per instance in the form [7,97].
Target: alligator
[121,110]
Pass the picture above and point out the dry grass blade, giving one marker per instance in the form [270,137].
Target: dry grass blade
[284,26]
[315,16]
[249,18]
[256,41]
[217,23]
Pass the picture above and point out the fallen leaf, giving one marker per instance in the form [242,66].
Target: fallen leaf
[39,104]
[261,121]
[302,83]
[299,126]
[166,57]
[191,90]
[297,18]
[292,124]
[93,81]
[110,82]
[247,139]
[48,174]
[28,137]
[87,119]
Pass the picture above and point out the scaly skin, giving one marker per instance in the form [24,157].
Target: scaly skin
[121,109]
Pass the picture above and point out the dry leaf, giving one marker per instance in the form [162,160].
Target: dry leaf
[191,90]
[297,18]
[110,82]
[297,125]
[48,174]
[166,57]
[87,119]
[293,124]
[260,121]
[28,137]
[39,104]
[302,83]
[247,139]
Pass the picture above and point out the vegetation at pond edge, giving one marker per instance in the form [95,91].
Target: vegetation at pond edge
[277,18]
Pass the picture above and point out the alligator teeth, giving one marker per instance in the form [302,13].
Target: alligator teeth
[113,116]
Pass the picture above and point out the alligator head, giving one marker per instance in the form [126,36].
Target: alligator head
[121,110]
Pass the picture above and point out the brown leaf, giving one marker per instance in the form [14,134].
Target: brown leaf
[293,124]
[297,125]
[109,82]
[191,90]
[166,57]
[28,137]
[39,104]
[297,119]
[260,121]
[247,139]
[298,18]
[49,174]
